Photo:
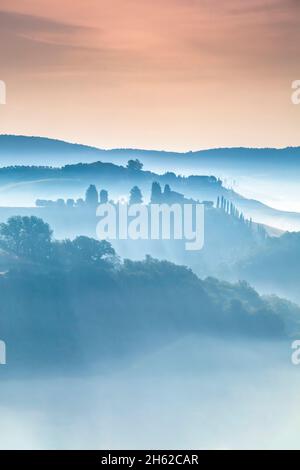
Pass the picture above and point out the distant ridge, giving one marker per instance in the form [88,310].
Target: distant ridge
[77,166]
[31,150]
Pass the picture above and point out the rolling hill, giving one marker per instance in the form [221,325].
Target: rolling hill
[261,170]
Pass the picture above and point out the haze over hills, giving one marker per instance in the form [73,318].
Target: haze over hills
[268,175]
[149,226]
[41,150]
[22,186]
[44,175]
[24,150]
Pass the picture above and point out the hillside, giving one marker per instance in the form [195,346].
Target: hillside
[68,301]
[40,150]
[22,185]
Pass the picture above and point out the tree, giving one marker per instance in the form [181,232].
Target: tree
[28,237]
[135,196]
[83,251]
[43,203]
[70,203]
[103,196]
[88,250]
[60,203]
[156,194]
[167,192]
[91,196]
[134,165]
[80,202]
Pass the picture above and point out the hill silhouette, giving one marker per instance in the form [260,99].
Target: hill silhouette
[21,183]
[66,302]
[41,150]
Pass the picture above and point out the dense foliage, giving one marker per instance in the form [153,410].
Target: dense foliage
[75,301]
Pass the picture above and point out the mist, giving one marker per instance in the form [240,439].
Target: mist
[217,394]
[110,345]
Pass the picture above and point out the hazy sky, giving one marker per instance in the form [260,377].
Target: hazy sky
[167,74]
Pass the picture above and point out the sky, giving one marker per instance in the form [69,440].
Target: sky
[163,74]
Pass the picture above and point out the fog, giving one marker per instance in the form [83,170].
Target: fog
[280,191]
[193,393]
[99,350]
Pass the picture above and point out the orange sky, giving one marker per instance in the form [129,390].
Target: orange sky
[165,74]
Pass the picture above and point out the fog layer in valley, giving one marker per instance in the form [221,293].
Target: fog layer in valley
[140,343]
[199,392]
